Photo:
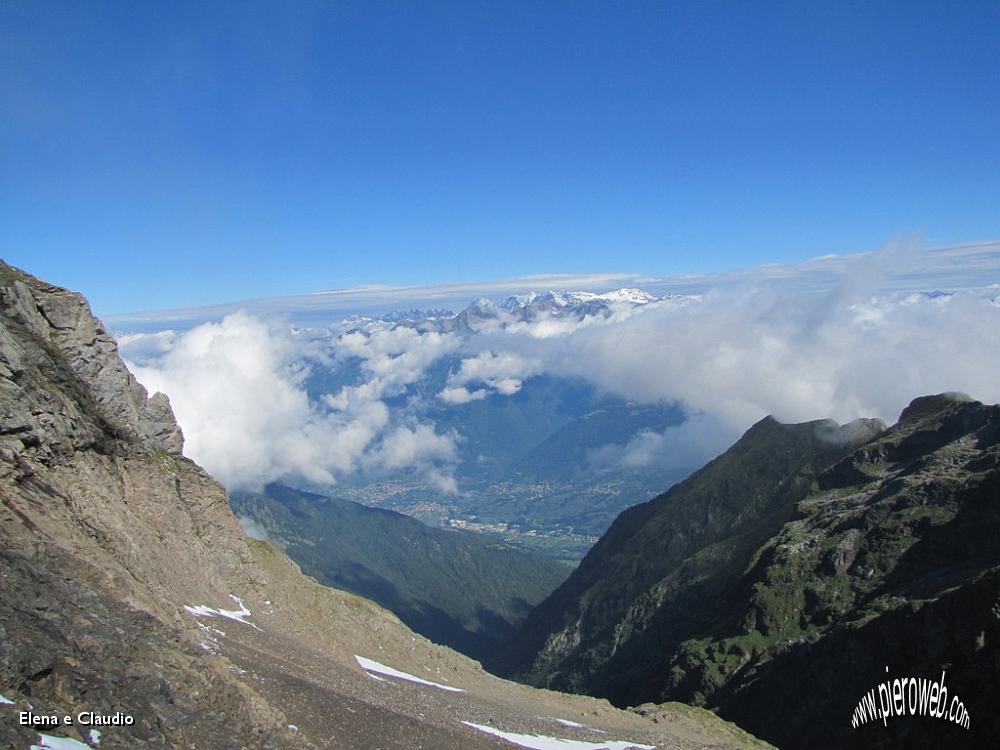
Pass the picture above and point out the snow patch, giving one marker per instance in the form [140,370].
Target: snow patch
[541,742]
[239,615]
[95,737]
[50,742]
[373,666]
[572,724]
[210,629]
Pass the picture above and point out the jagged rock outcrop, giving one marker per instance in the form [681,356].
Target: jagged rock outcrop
[777,584]
[45,317]
[127,587]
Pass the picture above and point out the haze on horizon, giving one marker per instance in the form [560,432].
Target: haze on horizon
[903,265]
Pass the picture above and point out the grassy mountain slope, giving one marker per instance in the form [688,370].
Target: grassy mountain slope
[777,583]
[457,588]
[694,536]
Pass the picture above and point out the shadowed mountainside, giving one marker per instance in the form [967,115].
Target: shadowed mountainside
[460,589]
[776,584]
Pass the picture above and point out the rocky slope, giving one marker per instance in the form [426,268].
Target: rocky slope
[128,588]
[779,583]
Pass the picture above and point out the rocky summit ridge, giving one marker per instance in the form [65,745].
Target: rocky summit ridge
[128,589]
[45,320]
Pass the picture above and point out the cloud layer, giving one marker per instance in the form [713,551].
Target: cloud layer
[238,391]
[771,345]
[948,268]
[740,355]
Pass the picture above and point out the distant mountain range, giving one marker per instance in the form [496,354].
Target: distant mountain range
[957,267]
[793,574]
[484,313]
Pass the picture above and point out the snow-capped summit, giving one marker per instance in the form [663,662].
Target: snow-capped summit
[415,315]
[530,306]
[483,306]
[516,301]
[635,296]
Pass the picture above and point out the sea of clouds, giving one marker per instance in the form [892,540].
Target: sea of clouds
[860,344]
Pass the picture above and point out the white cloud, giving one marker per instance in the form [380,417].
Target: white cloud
[507,386]
[408,446]
[461,395]
[395,357]
[773,347]
[501,373]
[254,530]
[237,389]
[422,448]
[144,347]
[770,349]
[690,444]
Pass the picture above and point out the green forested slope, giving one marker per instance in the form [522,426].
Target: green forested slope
[457,588]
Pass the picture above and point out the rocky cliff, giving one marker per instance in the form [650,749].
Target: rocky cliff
[128,589]
[791,575]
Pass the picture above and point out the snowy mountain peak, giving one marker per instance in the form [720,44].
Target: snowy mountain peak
[516,301]
[635,296]
[415,314]
[582,303]
[483,306]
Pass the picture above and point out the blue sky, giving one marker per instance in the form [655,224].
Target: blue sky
[167,154]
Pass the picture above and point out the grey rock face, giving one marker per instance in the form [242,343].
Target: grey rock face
[158,424]
[50,320]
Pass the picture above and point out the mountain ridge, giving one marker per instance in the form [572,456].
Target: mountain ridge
[517,308]
[751,573]
[455,587]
